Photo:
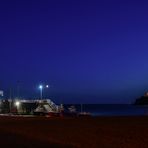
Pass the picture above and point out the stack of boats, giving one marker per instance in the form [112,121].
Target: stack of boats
[38,107]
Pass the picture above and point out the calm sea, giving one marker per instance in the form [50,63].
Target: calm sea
[111,109]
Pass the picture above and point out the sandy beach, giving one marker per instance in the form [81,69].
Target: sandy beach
[91,132]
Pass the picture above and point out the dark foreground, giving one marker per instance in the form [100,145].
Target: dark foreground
[92,132]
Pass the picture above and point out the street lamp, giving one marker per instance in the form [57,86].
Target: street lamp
[41,91]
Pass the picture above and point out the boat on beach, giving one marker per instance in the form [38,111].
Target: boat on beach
[84,114]
[44,107]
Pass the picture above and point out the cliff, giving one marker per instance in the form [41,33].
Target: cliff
[142,100]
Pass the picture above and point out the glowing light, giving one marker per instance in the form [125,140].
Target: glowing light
[47,86]
[17,103]
[41,87]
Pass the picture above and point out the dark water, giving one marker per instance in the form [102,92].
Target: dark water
[112,109]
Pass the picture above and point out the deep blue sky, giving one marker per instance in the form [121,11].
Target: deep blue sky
[88,51]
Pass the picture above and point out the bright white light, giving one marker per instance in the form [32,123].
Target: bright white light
[47,86]
[17,103]
[40,86]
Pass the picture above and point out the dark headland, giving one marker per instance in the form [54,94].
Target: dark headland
[143,100]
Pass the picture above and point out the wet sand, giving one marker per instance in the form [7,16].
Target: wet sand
[91,132]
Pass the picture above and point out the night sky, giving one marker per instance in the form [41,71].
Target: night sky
[87,51]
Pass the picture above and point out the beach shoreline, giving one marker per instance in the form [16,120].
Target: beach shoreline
[94,132]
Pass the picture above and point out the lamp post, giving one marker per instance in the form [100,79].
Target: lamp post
[41,91]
